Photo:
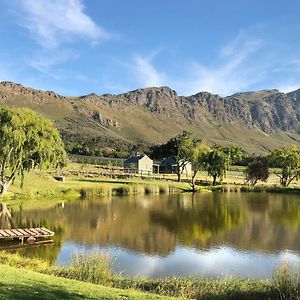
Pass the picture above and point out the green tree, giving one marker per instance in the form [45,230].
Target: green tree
[217,162]
[237,154]
[199,153]
[287,160]
[180,148]
[28,141]
[256,170]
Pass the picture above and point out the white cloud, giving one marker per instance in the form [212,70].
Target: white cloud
[286,88]
[52,22]
[146,72]
[233,73]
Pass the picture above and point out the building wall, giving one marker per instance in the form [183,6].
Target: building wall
[187,169]
[131,166]
[145,165]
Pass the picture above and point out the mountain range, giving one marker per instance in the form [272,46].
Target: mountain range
[258,120]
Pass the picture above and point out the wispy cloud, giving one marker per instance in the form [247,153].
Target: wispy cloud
[44,61]
[233,72]
[53,22]
[143,69]
[146,72]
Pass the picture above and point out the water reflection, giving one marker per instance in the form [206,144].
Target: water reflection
[184,261]
[213,234]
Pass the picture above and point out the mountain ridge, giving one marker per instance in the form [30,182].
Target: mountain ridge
[257,120]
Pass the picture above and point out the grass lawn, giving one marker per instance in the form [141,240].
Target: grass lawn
[25,284]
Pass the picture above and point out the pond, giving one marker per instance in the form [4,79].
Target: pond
[210,235]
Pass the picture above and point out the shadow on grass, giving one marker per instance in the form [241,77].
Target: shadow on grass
[37,291]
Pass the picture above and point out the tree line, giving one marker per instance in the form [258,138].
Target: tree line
[217,159]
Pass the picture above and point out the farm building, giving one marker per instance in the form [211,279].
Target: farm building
[169,166]
[142,164]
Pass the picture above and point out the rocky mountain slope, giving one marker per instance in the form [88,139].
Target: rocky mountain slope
[258,120]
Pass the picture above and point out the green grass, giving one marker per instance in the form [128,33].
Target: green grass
[83,180]
[41,185]
[26,284]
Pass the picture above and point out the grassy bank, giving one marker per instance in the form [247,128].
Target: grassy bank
[248,188]
[95,269]
[26,284]
[88,181]
[39,184]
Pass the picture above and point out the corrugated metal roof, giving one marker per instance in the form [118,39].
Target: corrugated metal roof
[133,159]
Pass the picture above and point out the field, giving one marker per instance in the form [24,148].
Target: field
[87,179]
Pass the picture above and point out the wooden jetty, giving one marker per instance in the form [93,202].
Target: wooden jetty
[25,233]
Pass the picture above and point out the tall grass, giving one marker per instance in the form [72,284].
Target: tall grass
[287,282]
[92,267]
[126,189]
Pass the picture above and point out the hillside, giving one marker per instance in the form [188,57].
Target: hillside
[258,121]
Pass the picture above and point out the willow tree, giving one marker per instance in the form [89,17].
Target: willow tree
[27,141]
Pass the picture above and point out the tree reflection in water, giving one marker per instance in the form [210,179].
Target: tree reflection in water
[194,224]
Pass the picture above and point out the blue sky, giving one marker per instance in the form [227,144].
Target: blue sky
[76,47]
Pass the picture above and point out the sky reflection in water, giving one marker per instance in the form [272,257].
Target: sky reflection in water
[213,263]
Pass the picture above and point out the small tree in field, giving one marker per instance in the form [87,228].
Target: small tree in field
[217,163]
[27,141]
[199,153]
[288,160]
[256,170]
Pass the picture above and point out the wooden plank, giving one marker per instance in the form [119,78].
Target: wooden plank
[41,231]
[9,232]
[31,233]
[47,230]
[35,231]
[24,233]
[16,232]
[3,233]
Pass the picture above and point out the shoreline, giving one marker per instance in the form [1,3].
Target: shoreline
[283,283]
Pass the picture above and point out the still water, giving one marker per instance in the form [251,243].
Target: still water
[208,235]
